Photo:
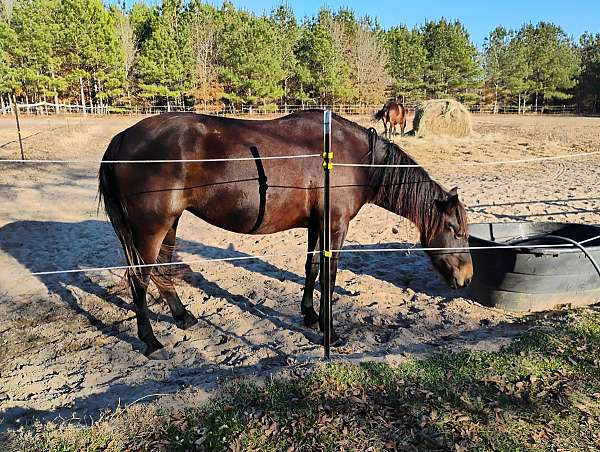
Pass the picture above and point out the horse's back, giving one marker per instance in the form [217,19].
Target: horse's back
[170,135]
[245,189]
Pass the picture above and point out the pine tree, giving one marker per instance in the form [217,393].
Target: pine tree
[37,63]
[161,70]
[8,73]
[204,32]
[452,65]
[128,41]
[252,68]
[288,37]
[407,62]
[553,59]
[363,53]
[589,80]
[326,73]
[505,65]
[91,52]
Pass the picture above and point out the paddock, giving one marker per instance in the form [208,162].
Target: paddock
[69,343]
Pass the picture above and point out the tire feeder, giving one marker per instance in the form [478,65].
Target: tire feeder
[529,276]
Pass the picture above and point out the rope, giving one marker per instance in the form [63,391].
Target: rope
[365,250]
[459,248]
[583,242]
[234,159]
[500,162]
[165,264]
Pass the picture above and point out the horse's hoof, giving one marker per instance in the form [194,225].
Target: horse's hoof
[311,319]
[152,347]
[336,341]
[187,320]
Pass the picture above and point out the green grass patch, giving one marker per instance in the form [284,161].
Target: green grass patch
[542,392]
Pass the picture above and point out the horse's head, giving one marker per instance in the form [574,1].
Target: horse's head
[449,230]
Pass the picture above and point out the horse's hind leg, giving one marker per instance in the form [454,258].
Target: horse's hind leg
[385,130]
[148,246]
[312,271]
[184,319]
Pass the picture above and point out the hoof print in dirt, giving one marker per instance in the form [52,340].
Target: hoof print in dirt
[159,355]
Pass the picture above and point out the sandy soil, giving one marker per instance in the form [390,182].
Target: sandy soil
[68,343]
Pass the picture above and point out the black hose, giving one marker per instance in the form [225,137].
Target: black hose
[560,237]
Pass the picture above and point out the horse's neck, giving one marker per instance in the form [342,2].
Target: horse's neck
[379,153]
[408,192]
[409,197]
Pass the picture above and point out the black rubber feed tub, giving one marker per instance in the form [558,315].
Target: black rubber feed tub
[534,279]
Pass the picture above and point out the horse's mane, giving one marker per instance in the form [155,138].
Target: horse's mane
[410,192]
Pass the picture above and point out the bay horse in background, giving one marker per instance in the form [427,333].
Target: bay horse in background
[392,113]
[145,201]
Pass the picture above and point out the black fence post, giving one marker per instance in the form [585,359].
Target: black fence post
[326,243]
[16,110]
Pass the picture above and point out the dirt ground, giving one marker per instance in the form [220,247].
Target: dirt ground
[68,343]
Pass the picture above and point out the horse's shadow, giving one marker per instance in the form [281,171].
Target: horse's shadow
[39,246]
[42,246]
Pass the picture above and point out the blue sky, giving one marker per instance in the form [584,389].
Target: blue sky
[479,16]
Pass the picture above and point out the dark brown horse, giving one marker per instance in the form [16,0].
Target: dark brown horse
[393,114]
[145,201]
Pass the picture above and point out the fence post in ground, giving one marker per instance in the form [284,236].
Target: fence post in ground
[16,110]
[326,243]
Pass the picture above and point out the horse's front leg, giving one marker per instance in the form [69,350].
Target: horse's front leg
[338,235]
[312,271]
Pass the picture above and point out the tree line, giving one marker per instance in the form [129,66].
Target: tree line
[194,54]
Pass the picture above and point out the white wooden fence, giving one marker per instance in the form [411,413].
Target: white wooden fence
[47,108]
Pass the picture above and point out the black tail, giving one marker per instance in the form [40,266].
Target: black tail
[381,113]
[114,204]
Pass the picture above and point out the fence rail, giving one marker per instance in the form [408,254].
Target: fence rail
[48,108]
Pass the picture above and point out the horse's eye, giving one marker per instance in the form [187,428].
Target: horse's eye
[455,231]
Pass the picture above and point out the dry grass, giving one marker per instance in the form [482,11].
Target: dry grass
[444,117]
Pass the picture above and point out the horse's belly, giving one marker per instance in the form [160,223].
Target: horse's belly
[243,208]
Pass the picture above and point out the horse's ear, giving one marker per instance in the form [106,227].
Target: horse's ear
[441,205]
[452,203]
[453,192]
[449,205]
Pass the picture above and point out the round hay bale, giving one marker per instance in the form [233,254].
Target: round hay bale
[442,117]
